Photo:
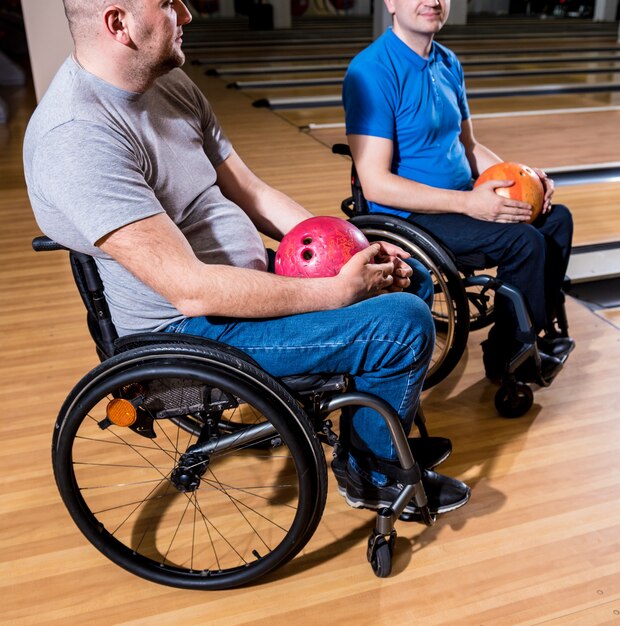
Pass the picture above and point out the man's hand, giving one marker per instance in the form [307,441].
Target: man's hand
[390,253]
[548,186]
[363,278]
[483,203]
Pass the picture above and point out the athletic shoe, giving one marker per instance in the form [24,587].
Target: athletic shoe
[556,345]
[444,494]
[495,362]
[428,452]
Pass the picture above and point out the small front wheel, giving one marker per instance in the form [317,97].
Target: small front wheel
[514,400]
[380,555]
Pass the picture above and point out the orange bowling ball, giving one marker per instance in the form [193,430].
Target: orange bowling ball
[527,184]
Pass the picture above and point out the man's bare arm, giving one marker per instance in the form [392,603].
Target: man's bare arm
[373,159]
[157,253]
[272,212]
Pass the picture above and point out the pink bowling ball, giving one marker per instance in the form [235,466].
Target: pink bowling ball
[318,247]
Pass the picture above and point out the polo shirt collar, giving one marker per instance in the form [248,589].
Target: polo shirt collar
[410,55]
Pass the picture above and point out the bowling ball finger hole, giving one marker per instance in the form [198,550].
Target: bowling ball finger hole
[307,255]
[307,241]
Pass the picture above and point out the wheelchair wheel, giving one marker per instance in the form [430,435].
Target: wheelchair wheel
[200,507]
[381,562]
[514,400]
[450,307]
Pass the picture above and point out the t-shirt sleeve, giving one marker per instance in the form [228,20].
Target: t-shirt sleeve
[93,179]
[368,100]
[216,144]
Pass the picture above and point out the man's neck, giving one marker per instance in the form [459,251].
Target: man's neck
[420,43]
[112,72]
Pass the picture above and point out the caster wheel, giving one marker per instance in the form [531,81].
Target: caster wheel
[380,556]
[514,400]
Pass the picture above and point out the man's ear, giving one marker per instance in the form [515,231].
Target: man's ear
[389,6]
[116,24]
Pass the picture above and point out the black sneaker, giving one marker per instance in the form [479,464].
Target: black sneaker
[495,362]
[550,367]
[428,453]
[556,345]
[444,494]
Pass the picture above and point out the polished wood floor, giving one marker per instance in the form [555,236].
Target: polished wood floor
[539,543]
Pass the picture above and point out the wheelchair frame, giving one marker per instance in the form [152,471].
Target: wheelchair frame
[465,298]
[136,442]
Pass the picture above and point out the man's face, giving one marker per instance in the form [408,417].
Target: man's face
[157,34]
[423,17]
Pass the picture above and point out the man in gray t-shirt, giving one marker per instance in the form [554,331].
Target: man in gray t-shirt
[125,161]
[98,158]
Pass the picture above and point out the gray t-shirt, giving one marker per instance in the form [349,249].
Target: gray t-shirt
[97,158]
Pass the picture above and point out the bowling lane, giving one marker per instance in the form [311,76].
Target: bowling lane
[479,67]
[540,103]
[508,81]
[580,70]
[515,104]
[544,141]
[594,208]
[345,52]
[265,52]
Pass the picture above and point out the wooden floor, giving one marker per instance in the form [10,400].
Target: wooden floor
[539,543]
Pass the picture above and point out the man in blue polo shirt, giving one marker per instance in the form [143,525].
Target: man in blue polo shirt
[412,140]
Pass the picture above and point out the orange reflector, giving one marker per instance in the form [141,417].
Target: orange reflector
[121,412]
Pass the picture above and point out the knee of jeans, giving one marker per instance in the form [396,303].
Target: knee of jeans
[407,320]
[561,214]
[527,242]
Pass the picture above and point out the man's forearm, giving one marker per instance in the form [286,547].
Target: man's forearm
[401,193]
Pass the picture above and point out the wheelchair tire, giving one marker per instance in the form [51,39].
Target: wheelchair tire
[215,519]
[451,307]
[381,560]
[514,400]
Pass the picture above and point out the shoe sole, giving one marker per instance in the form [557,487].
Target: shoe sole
[409,510]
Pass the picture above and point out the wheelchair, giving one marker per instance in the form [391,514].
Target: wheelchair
[464,298]
[185,463]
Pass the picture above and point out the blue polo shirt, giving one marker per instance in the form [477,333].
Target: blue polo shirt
[390,91]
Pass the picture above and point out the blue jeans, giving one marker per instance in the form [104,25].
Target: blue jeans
[384,344]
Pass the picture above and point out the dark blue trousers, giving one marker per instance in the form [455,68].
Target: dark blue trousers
[532,258]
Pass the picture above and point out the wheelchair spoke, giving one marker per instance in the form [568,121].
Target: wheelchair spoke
[120,442]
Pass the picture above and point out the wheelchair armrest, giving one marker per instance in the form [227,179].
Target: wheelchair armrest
[341,148]
[469,263]
[45,244]
[308,383]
